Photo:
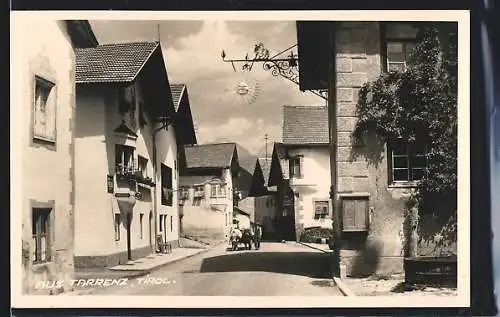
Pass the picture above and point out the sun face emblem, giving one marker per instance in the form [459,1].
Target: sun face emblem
[245,91]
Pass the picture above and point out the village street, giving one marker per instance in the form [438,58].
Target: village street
[280,269]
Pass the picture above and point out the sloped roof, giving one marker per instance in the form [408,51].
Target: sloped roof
[215,155]
[196,180]
[305,125]
[177,90]
[265,166]
[112,62]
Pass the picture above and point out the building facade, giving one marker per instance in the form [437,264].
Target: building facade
[263,199]
[206,195]
[374,178]
[45,66]
[126,155]
[305,155]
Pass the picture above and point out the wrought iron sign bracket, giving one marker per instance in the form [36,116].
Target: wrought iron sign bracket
[286,66]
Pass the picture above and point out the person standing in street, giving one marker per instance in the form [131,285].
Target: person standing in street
[257,236]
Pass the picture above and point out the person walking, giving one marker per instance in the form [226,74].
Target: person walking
[258,236]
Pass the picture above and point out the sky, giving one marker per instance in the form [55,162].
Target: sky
[192,50]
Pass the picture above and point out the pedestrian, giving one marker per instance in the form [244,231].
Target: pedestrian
[258,236]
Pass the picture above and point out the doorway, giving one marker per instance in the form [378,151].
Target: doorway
[150,226]
[129,247]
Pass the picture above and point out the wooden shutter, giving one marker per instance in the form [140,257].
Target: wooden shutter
[348,208]
[355,214]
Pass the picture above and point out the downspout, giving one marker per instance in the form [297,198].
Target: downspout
[332,125]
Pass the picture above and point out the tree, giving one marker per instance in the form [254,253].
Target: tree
[421,102]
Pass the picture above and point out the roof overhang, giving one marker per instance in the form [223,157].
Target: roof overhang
[314,50]
[81,33]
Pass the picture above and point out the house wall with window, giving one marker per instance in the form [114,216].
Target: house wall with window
[105,149]
[204,208]
[265,214]
[374,178]
[309,172]
[45,71]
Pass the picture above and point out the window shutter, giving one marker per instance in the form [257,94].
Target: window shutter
[348,221]
[355,214]
[360,215]
[301,167]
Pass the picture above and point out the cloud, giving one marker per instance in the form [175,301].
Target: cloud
[192,52]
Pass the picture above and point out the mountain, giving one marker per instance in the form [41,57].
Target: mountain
[247,164]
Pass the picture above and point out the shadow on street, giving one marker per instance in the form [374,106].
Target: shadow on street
[314,265]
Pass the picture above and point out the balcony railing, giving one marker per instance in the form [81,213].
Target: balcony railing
[129,172]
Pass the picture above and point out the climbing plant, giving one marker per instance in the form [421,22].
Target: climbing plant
[420,101]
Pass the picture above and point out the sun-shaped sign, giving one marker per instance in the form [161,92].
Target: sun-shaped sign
[243,89]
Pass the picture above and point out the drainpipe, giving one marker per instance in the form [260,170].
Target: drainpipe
[164,125]
[332,125]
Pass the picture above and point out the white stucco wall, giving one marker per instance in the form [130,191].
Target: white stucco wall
[314,185]
[42,48]
[97,120]
[265,211]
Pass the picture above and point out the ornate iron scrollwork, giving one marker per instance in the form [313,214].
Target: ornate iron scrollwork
[286,67]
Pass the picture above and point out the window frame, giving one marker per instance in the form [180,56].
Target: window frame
[385,39]
[409,181]
[295,161]
[321,216]
[167,185]
[44,215]
[36,138]
[142,166]
[124,166]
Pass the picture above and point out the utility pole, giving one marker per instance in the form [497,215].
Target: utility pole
[265,138]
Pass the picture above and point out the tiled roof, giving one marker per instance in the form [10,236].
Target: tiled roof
[112,62]
[196,180]
[305,125]
[177,90]
[218,155]
[265,165]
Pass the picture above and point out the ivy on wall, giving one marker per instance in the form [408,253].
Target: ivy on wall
[421,102]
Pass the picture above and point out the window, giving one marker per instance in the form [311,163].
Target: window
[295,167]
[117,227]
[171,223]
[355,214]
[161,223]
[141,216]
[213,190]
[408,161]
[199,191]
[44,111]
[41,235]
[143,166]
[398,53]
[321,209]
[184,193]
[400,42]
[124,159]
[222,190]
[166,185]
